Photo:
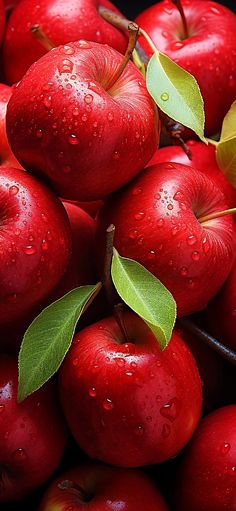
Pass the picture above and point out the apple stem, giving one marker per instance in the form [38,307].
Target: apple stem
[38,34]
[213,142]
[133,34]
[107,281]
[217,214]
[179,6]
[216,345]
[118,310]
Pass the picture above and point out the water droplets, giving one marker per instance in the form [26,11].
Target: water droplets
[84,44]
[171,409]
[191,240]
[39,133]
[116,155]
[13,190]
[110,116]
[29,250]
[73,139]
[195,255]
[139,216]
[67,49]
[139,430]
[2,409]
[47,101]
[65,66]
[19,455]
[165,96]
[108,404]
[93,392]
[88,99]
[225,448]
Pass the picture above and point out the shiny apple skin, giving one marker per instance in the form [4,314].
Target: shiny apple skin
[62,22]
[7,158]
[156,220]
[35,243]
[203,159]
[209,53]
[2,20]
[221,312]
[32,435]
[206,479]
[108,488]
[129,403]
[68,128]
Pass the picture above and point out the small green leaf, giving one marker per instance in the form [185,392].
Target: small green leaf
[145,295]
[226,147]
[176,92]
[49,337]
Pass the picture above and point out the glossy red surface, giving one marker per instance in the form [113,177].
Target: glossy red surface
[32,435]
[127,402]
[209,53]
[7,158]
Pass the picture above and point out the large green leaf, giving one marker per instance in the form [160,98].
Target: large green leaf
[49,337]
[176,92]
[226,147]
[145,295]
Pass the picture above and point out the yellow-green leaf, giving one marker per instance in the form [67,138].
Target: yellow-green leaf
[226,147]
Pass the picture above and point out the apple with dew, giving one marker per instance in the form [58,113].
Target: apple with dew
[206,478]
[77,123]
[7,158]
[32,435]
[221,312]
[61,22]
[203,158]
[128,403]
[163,220]
[35,243]
[205,46]
[97,487]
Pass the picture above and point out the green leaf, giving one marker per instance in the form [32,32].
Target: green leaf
[176,92]
[145,295]
[226,147]
[49,337]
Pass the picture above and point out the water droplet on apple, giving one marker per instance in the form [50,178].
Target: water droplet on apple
[92,392]
[29,250]
[88,99]
[160,222]
[191,240]
[170,207]
[171,409]
[108,404]
[139,430]
[165,34]
[129,373]
[72,139]
[110,116]
[44,245]
[13,190]
[39,133]
[195,256]
[65,66]
[2,408]
[164,96]
[133,234]
[184,271]
[214,10]
[67,49]
[116,155]
[136,191]
[120,361]
[47,101]
[139,216]
[83,44]
[225,448]
[19,455]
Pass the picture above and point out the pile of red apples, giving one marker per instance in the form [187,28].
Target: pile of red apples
[124,425]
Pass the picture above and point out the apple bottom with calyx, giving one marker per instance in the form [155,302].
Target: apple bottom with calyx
[206,479]
[203,158]
[32,435]
[221,312]
[163,220]
[127,402]
[97,487]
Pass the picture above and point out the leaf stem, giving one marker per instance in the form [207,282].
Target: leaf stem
[217,214]
[179,6]
[107,281]
[38,34]
[216,345]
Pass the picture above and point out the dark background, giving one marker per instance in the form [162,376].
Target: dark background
[132,9]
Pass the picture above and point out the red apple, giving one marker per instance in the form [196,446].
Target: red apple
[127,402]
[2,20]
[156,219]
[62,22]
[203,158]
[32,435]
[10,5]
[206,479]
[208,52]
[35,243]
[7,158]
[86,134]
[97,487]
[221,312]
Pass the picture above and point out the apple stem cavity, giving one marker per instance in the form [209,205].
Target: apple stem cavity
[43,39]
[71,485]
[179,6]
[213,343]
[217,214]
